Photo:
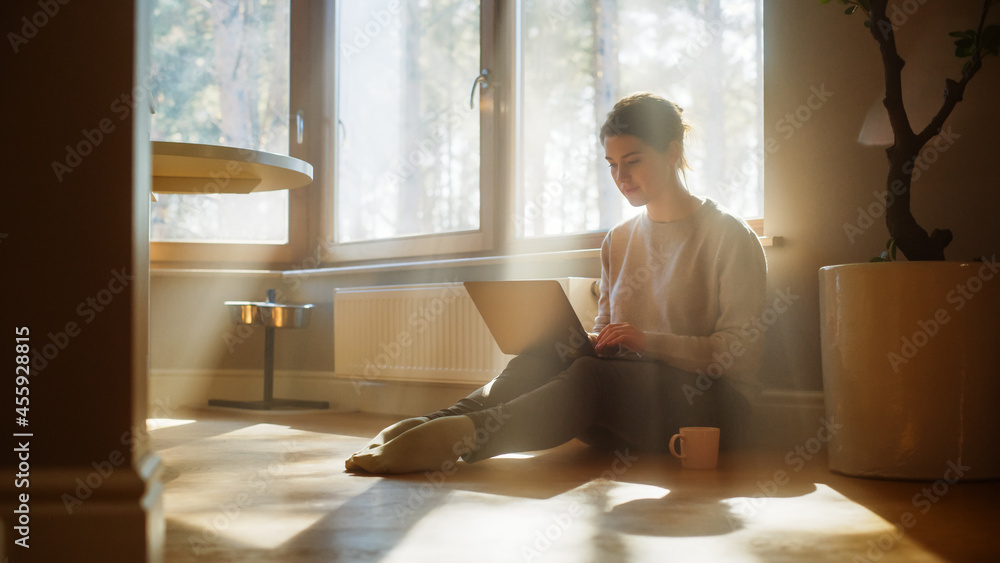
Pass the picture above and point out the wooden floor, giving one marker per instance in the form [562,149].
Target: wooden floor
[251,487]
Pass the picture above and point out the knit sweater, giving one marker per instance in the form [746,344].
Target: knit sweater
[694,287]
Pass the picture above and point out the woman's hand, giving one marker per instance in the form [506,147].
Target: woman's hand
[621,334]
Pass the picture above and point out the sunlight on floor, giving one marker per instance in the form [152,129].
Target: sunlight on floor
[277,490]
[263,529]
[620,493]
[157,423]
[251,497]
[642,522]
[514,456]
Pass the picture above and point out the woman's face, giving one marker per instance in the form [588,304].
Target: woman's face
[641,172]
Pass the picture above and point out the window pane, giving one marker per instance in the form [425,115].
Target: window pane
[408,159]
[579,58]
[220,76]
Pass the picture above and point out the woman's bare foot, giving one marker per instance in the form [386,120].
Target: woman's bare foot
[425,447]
[388,433]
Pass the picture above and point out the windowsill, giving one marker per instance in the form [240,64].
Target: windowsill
[165,270]
[591,253]
[564,255]
[413,265]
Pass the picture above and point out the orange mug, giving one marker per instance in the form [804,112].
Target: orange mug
[699,447]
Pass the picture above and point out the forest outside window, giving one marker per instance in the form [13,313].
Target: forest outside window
[405,166]
[220,76]
[409,166]
[579,58]
[409,140]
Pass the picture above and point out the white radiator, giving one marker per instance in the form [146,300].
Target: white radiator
[424,332]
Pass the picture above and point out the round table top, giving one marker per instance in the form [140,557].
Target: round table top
[190,168]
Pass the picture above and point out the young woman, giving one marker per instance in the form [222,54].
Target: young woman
[681,285]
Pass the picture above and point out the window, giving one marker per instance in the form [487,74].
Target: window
[415,166]
[405,166]
[409,145]
[220,75]
[579,58]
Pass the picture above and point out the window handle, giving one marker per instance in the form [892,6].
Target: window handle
[484,82]
[300,126]
[343,131]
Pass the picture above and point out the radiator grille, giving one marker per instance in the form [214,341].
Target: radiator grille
[426,332]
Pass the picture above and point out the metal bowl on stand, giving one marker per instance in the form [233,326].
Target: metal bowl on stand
[271,315]
[276,315]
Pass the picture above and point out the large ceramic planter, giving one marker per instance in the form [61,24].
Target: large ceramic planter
[911,369]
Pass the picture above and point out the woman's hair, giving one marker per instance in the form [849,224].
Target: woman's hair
[654,120]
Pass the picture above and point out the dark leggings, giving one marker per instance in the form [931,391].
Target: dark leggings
[540,401]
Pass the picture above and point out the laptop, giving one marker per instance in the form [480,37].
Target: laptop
[530,316]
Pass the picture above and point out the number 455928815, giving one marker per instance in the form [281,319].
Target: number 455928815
[22,371]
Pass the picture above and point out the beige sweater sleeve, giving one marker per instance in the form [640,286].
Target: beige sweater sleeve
[696,289]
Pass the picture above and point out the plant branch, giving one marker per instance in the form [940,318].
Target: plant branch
[954,91]
[915,242]
[882,31]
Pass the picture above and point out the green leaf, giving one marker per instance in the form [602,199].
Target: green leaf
[965,45]
[850,10]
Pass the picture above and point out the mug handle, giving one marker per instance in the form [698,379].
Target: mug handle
[671,446]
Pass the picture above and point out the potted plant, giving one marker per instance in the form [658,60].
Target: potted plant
[911,350]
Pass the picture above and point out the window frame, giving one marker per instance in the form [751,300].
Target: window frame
[500,54]
[312,215]
[468,242]
[206,255]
